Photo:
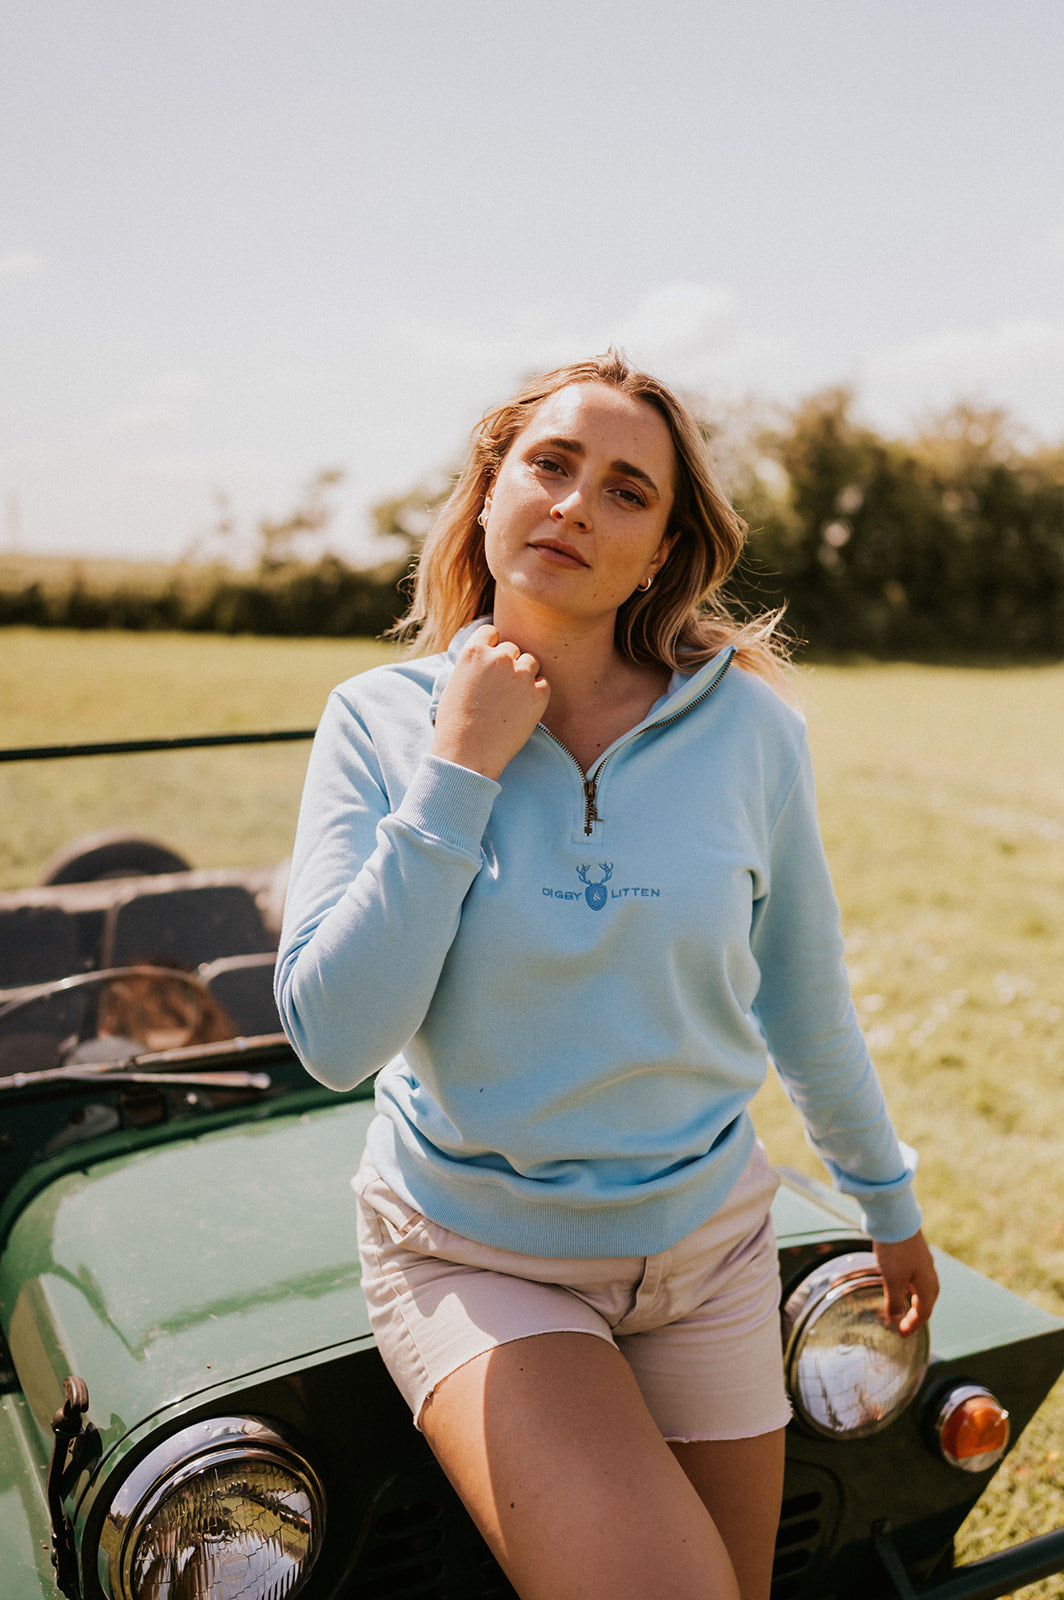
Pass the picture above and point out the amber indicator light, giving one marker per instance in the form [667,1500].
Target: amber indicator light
[973,1430]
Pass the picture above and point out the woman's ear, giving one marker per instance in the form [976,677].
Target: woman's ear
[661,554]
[485,512]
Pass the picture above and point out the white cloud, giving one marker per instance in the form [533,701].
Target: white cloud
[667,323]
[177,383]
[19,263]
[1053,241]
[698,337]
[133,419]
[676,319]
[160,401]
[448,344]
[981,350]
[1018,364]
[687,332]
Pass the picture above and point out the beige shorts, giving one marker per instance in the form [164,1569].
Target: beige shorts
[698,1324]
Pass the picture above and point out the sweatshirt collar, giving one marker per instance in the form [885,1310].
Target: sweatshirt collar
[448,660]
[687,687]
[684,688]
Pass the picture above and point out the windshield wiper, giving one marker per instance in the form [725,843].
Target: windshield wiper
[135,1070]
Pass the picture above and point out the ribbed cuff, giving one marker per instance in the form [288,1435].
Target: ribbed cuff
[892,1218]
[449,803]
[889,1212]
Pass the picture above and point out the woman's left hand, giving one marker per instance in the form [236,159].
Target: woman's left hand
[910,1280]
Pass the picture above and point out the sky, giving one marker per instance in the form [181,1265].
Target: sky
[245,240]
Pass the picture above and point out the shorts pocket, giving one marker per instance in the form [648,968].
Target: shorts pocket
[399,1218]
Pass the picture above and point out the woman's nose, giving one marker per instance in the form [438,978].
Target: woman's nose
[572,509]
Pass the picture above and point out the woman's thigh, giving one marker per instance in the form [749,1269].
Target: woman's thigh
[551,1447]
[740,1482]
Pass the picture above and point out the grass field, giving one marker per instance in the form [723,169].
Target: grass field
[942,808]
[58,687]
[942,811]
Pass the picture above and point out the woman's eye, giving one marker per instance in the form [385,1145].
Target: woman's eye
[632,497]
[547,464]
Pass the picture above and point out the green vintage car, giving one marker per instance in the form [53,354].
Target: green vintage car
[192,1404]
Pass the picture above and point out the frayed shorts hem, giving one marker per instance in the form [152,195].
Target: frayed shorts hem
[698,1324]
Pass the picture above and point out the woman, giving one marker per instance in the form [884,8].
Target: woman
[563,876]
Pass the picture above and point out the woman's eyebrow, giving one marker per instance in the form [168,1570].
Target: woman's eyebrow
[625,468]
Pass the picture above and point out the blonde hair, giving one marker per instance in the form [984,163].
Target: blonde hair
[682,620]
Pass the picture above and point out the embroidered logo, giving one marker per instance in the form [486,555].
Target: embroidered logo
[595,893]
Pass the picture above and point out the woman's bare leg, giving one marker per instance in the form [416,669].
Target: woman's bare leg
[740,1482]
[551,1447]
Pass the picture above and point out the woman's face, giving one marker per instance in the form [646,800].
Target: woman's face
[579,507]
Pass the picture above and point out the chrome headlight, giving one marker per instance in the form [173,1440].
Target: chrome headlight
[226,1508]
[848,1371]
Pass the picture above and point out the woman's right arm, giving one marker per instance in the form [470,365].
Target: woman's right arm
[374,899]
[378,880]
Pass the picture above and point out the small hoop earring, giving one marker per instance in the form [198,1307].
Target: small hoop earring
[645,585]
[483,518]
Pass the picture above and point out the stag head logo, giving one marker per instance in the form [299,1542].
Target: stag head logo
[595,893]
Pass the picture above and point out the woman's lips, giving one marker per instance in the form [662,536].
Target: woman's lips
[559,553]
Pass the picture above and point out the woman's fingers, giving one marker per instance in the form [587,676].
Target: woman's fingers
[494,699]
[910,1281]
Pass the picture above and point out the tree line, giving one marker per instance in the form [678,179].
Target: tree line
[951,541]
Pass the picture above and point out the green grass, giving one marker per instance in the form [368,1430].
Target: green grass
[220,808]
[942,813]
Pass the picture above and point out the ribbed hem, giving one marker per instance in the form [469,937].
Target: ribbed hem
[516,1214]
[449,803]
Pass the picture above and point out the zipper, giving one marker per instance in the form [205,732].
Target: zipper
[590,781]
[590,784]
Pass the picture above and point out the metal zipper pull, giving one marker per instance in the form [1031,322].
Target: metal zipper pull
[591,815]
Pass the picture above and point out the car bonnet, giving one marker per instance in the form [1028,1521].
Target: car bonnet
[183,1268]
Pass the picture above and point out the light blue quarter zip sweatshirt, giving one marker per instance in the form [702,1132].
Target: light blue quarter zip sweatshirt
[574,984]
